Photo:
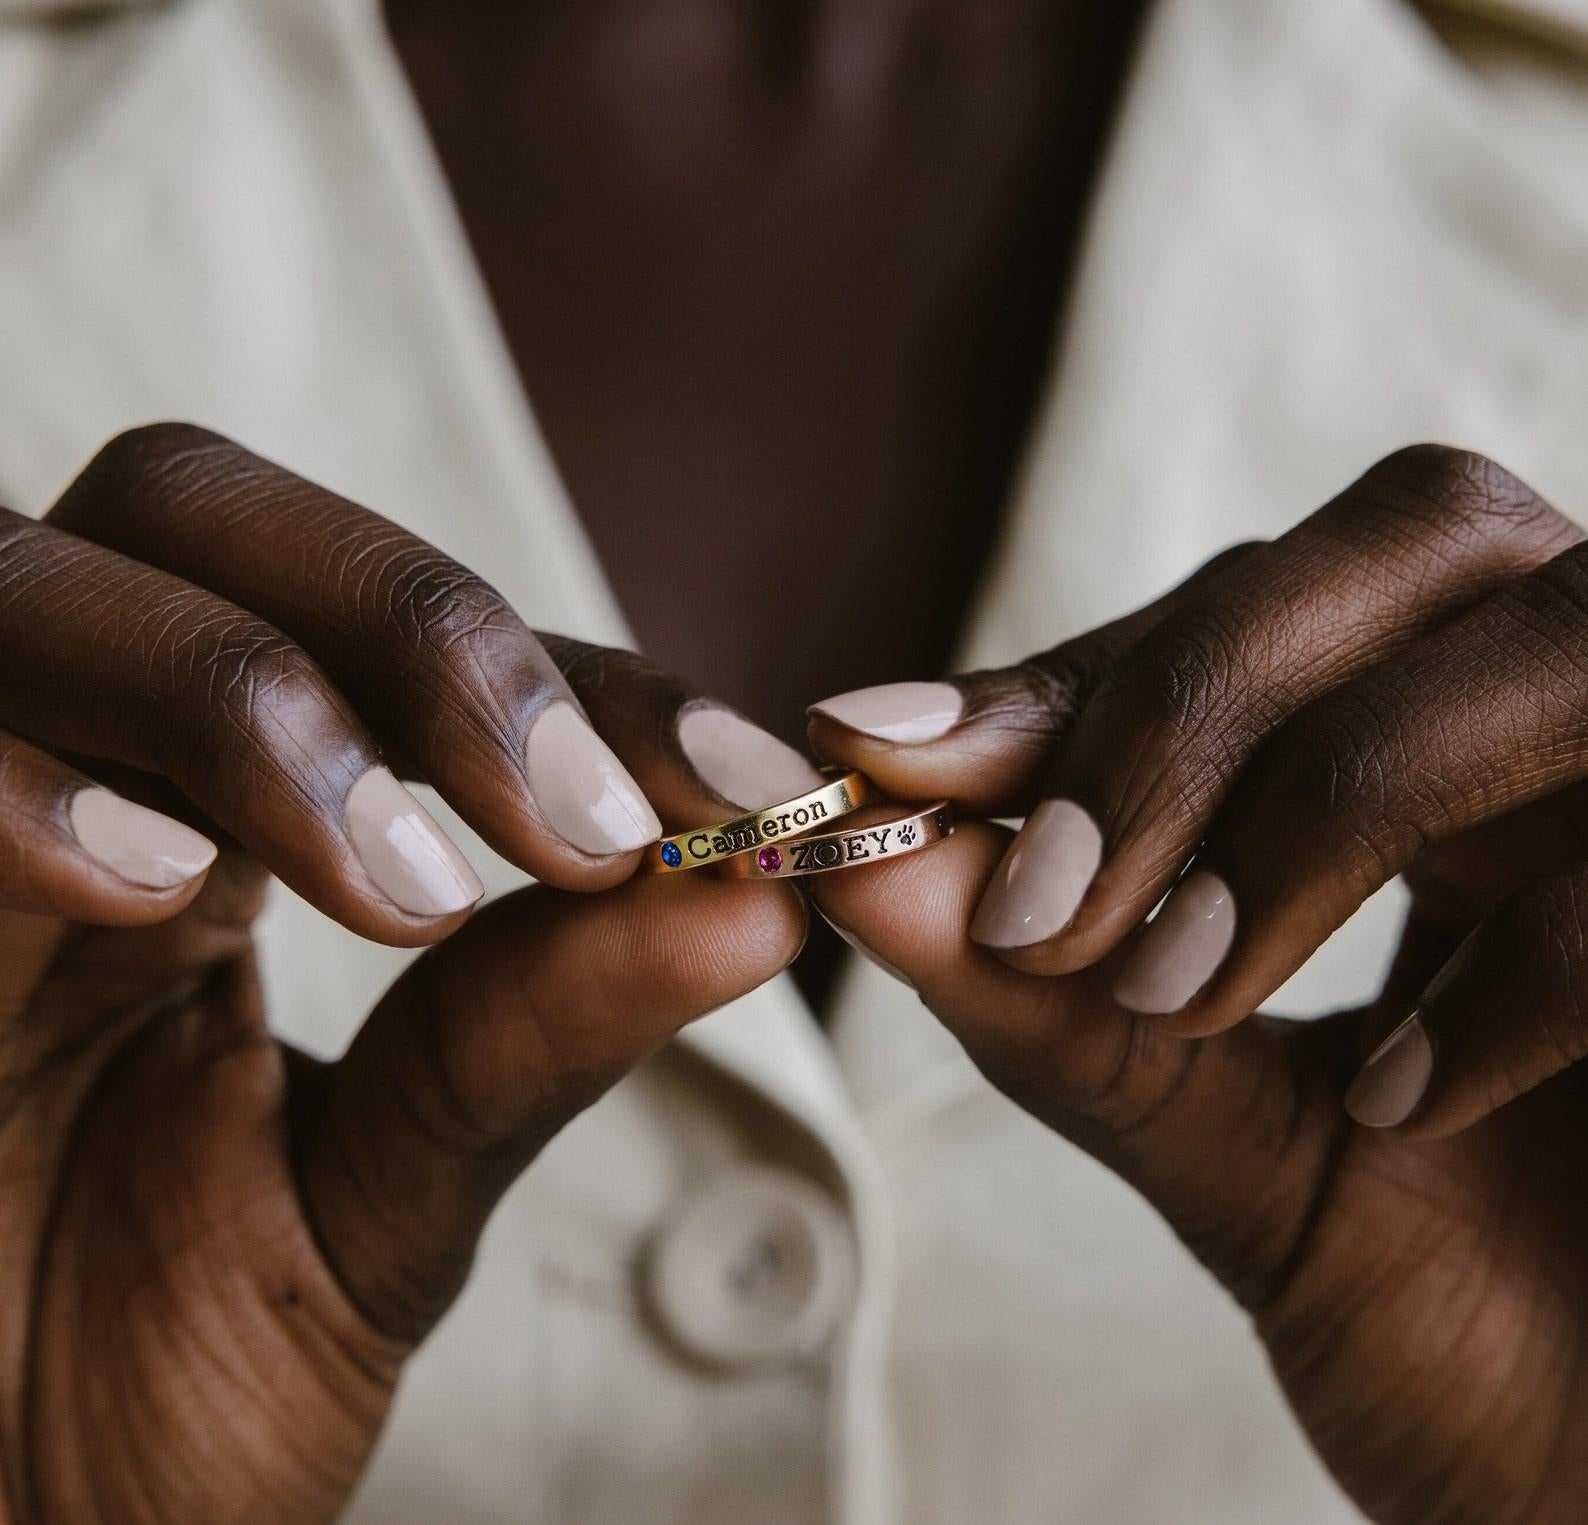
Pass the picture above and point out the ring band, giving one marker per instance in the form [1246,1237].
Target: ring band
[715,844]
[905,834]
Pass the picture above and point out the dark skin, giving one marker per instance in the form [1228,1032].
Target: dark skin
[214,1247]
[773,313]
[1394,687]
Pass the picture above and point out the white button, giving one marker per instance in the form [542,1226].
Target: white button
[756,1270]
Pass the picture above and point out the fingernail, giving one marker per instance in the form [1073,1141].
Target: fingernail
[1181,948]
[138,845]
[744,764]
[1042,879]
[1389,1086]
[900,712]
[408,857]
[583,791]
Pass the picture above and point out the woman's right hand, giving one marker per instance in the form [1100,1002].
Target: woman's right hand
[216,1252]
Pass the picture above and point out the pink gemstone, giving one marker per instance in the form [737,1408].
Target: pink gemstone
[770,859]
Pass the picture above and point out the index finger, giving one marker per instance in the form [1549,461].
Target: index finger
[985,739]
[436,662]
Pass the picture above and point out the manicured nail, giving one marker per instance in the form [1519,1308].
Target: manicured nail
[1389,1086]
[900,712]
[743,763]
[138,845]
[409,858]
[1181,948]
[583,791]
[1042,878]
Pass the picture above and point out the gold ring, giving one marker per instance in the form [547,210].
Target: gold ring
[924,827]
[715,844]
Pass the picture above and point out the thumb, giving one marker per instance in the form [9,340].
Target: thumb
[489,1044]
[1227,1137]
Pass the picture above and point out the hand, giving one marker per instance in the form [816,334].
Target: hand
[1396,687]
[215,1252]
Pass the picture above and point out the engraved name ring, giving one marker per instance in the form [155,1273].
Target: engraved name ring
[717,844]
[924,827]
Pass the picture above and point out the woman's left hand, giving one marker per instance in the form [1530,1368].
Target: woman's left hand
[1397,687]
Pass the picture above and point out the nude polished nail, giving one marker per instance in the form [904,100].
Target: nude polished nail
[897,712]
[141,846]
[1043,877]
[744,764]
[583,792]
[410,860]
[1389,1087]
[1181,947]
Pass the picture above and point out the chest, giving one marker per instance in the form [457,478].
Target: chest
[782,282]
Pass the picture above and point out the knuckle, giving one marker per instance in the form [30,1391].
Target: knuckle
[440,607]
[1181,674]
[1221,562]
[1307,768]
[594,670]
[1189,703]
[1216,569]
[1460,493]
[1232,554]
[1331,777]
[1446,475]
[1176,721]
[148,453]
[1534,637]
[18,533]
[38,565]
[1556,598]
[234,681]
[145,472]
[263,682]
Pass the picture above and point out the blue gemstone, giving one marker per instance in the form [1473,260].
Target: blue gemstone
[671,855]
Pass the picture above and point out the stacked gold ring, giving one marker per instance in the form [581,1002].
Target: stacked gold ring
[925,826]
[719,844]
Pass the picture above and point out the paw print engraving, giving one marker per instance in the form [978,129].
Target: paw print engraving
[906,835]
